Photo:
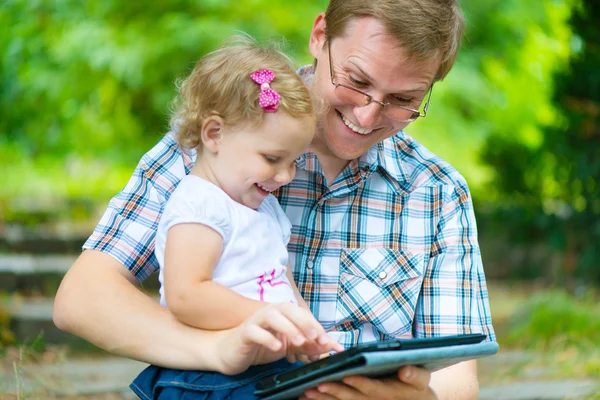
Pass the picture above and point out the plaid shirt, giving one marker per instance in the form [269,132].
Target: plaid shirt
[388,250]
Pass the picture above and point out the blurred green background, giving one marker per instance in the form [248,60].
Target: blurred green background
[85,89]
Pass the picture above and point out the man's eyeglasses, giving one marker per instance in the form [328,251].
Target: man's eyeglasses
[394,108]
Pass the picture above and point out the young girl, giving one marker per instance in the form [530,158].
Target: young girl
[221,241]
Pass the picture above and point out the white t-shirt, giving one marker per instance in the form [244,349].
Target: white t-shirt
[254,259]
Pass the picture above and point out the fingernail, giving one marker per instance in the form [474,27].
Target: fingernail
[312,334]
[407,373]
[276,346]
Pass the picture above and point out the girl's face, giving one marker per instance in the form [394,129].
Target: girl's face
[250,163]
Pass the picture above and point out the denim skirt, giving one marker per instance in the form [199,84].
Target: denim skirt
[156,383]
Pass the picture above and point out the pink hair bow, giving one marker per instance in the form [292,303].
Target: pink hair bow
[268,99]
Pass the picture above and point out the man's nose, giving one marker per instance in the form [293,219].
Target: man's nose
[368,116]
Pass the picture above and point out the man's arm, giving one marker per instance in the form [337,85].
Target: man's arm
[98,301]
[445,383]
[457,382]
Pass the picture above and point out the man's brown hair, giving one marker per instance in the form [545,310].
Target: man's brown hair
[424,28]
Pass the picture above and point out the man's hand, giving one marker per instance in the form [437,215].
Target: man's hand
[457,382]
[411,383]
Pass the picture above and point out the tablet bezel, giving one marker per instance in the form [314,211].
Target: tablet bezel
[353,358]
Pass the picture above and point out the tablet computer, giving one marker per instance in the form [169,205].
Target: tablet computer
[376,359]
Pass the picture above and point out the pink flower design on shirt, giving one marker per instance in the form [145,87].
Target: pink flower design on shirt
[271,281]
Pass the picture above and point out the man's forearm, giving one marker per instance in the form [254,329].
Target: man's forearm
[98,302]
[457,382]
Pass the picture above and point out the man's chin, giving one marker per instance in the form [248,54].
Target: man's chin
[348,154]
[341,149]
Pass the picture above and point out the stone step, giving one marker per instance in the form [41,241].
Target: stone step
[40,274]
[542,390]
[26,273]
[41,244]
[22,264]
[31,320]
[31,282]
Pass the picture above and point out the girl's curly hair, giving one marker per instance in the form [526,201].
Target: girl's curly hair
[220,85]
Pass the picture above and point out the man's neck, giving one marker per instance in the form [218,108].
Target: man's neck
[331,165]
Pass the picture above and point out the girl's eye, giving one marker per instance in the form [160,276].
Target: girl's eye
[271,159]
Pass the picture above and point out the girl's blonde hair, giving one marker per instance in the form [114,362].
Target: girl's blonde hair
[220,85]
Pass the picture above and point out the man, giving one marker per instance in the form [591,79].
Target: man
[384,242]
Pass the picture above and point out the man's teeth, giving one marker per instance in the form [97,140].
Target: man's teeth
[355,128]
[263,188]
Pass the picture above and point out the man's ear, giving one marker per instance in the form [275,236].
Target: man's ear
[212,133]
[317,35]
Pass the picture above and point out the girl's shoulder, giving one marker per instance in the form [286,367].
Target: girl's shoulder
[194,189]
[197,200]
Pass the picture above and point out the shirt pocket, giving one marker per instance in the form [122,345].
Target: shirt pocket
[380,287]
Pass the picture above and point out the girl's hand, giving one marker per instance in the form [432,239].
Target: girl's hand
[266,335]
[294,354]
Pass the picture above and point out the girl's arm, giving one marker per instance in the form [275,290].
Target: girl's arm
[191,253]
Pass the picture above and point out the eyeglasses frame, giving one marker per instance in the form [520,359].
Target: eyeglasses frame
[369,99]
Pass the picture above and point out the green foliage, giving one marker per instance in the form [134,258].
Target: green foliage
[556,320]
[548,192]
[501,85]
[86,86]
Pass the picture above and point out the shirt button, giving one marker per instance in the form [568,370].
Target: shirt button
[382,275]
[309,264]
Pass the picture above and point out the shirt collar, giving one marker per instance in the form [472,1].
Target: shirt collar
[391,157]
[307,73]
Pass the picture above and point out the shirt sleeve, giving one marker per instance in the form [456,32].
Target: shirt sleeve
[127,230]
[454,297]
[196,202]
